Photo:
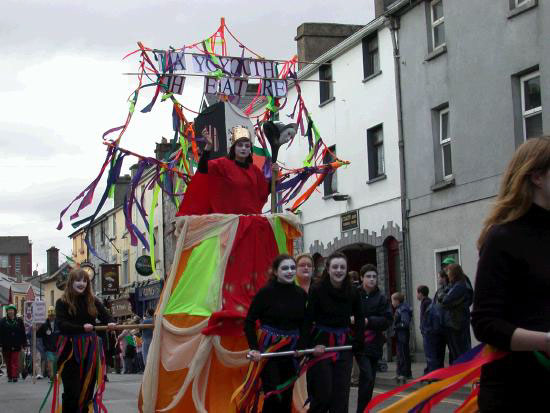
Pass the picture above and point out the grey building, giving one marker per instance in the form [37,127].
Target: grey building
[474,84]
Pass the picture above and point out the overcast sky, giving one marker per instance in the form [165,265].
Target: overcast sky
[62,87]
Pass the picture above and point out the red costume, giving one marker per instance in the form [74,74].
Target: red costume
[228,188]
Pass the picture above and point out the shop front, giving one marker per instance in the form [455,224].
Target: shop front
[147,295]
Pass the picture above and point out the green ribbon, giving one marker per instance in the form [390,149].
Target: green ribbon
[545,361]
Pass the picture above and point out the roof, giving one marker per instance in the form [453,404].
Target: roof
[20,288]
[53,276]
[14,245]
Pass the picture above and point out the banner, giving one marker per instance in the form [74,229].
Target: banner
[225,75]
[109,279]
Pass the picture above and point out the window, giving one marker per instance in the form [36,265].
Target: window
[17,264]
[329,183]
[375,150]
[531,105]
[325,88]
[114,227]
[125,278]
[444,253]
[371,60]
[102,232]
[437,23]
[445,143]
[4,261]
[52,298]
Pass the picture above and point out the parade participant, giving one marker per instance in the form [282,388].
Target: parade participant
[511,305]
[378,318]
[401,325]
[456,320]
[332,302]
[280,308]
[304,271]
[49,333]
[227,185]
[81,361]
[12,340]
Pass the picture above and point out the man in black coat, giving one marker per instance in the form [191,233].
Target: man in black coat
[12,340]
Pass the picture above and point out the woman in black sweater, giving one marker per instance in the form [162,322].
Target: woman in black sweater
[512,291]
[332,304]
[280,308]
[77,312]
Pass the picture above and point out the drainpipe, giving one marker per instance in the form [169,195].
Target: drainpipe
[394,30]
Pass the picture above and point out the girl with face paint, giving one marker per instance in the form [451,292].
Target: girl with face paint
[304,271]
[77,312]
[227,185]
[332,302]
[280,308]
[511,296]
[378,318]
[12,340]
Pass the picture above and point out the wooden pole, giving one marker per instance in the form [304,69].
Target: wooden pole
[33,353]
[120,327]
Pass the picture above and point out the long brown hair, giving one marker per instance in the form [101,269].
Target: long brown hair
[516,191]
[455,273]
[70,296]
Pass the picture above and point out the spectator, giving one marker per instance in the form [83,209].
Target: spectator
[378,318]
[147,333]
[304,271]
[456,319]
[49,333]
[401,325]
[422,295]
[12,339]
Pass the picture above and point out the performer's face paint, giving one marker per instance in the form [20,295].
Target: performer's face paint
[80,285]
[304,268]
[286,271]
[242,149]
[337,271]
[370,279]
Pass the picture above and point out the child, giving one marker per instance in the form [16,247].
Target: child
[401,324]
[422,293]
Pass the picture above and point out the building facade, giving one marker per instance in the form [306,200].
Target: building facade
[16,256]
[474,85]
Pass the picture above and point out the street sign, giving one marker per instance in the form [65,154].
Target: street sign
[109,279]
[39,312]
[143,265]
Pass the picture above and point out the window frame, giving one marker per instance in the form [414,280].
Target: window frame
[372,151]
[7,260]
[445,142]
[367,55]
[436,23]
[525,114]
[325,86]
[437,261]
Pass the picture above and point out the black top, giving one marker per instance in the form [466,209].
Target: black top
[376,309]
[12,334]
[333,307]
[513,290]
[277,305]
[49,332]
[513,279]
[74,324]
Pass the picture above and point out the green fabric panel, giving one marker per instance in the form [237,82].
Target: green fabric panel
[192,292]
[280,235]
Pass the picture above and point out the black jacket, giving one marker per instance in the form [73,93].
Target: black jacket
[12,334]
[333,307]
[457,302]
[74,324]
[49,335]
[376,309]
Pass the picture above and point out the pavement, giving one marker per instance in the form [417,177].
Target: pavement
[122,390]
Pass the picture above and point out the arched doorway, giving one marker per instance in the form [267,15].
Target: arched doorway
[359,254]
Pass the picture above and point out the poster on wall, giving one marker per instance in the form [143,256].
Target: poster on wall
[109,279]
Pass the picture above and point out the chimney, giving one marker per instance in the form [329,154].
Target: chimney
[52,255]
[163,149]
[314,39]
[121,186]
